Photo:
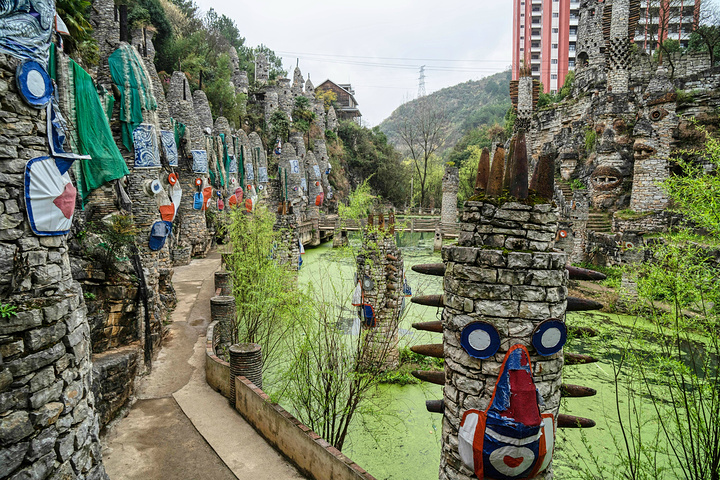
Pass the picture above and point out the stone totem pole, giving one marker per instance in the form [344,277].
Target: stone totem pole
[448,213]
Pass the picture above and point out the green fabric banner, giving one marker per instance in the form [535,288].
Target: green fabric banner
[129,75]
[94,136]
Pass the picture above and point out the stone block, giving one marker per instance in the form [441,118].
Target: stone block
[6,379]
[65,446]
[539,246]
[78,335]
[541,261]
[516,243]
[57,312]
[466,385]
[556,294]
[72,395]
[21,321]
[81,412]
[11,457]
[64,472]
[462,254]
[11,348]
[542,208]
[497,308]
[81,460]
[16,397]
[512,215]
[475,274]
[490,258]
[38,470]
[35,361]
[43,443]
[545,218]
[534,310]
[537,236]
[40,338]
[519,260]
[46,415]
[548,278]
[519,329]
[558,310]
[41,397]
[14,427]
[512,277]
[529,294]
[496,241]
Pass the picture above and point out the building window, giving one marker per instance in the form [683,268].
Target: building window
[571,47]
[571,63]
[554,46]
[556,15]
[535,57]
[522,38]
[555,30]
[522,49]
[553,76]
[522,27]
[573,30]
[553,61]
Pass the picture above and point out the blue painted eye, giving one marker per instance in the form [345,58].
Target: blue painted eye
[480,340]
[549,337]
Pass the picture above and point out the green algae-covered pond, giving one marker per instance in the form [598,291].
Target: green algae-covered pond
[401,439]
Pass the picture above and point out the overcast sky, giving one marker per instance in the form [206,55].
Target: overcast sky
[379,46]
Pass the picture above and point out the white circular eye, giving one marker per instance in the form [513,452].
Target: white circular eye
[36,83]
[479,339]
[551,337]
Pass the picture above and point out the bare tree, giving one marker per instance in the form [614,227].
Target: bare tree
[661,20]
[423,131]
[706,36]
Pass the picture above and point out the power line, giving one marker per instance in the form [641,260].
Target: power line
[421,82]
[408,59]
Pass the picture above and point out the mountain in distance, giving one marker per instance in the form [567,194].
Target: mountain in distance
[467,106]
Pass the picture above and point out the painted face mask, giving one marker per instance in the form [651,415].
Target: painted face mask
[511,439]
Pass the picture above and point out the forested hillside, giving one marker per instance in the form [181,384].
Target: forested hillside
[465,107]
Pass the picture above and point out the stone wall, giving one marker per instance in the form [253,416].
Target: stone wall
[380,270]
[503,272]
[48,421]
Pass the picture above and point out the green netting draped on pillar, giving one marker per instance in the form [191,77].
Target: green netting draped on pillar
[94,136]
[129,75]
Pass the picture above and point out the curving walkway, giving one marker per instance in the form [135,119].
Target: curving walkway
[180,428]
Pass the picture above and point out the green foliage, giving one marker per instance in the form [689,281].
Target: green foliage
[706,38]
[548,99]
[684,96]
[89,296]
[590,139]
[359,203]
[221,92]
[328,97]
[80,43]
[367,156]
[468,173]
[266,296]
[577,184]
[118,234]
[302,115]
[280,126]
[7,310]
[696,194]
[482,136]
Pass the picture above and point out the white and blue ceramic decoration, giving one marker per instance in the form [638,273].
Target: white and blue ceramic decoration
[262,175]
[147,151]
[33,83]
[26,27]
[316,169]
[294,166]
[200,161]
[249,172]
[233,164]
[49,196]
[168,142]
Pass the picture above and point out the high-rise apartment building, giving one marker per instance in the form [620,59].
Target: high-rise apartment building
[545,33]
[544,36]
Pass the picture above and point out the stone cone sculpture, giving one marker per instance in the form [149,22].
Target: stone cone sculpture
[483,172]
[495,180]
[543,179]
[519,170]
[507,178]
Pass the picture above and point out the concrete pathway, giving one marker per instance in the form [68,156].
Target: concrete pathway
[180,428]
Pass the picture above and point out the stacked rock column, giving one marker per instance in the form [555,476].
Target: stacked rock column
[381,260]
[502,271]
[48,420]
[618,48]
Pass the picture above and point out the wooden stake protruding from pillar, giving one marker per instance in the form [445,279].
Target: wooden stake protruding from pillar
[436,377]
[483,172]
[568,390]
[578,359]
[575,304]
[391,221]
[429,300]
[435,269]
[570,421]
[431,350]
[435,326]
